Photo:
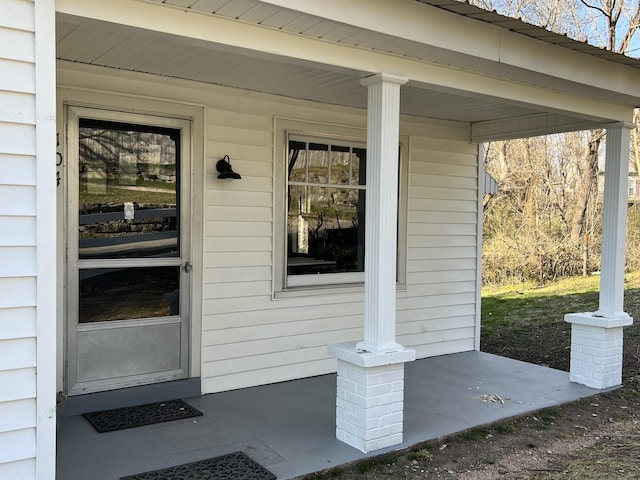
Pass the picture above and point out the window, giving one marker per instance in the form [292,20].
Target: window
[320,210]
[325,210]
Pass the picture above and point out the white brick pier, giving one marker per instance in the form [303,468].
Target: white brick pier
[596,349]
[370,396]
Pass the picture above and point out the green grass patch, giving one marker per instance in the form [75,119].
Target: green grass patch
[547,417]
[505,428]
[475,434]
[422,455]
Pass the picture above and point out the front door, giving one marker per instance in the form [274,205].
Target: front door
[127,249]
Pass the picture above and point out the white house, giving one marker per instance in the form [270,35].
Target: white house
[127,262]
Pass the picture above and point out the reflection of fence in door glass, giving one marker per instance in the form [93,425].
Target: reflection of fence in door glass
[128,176]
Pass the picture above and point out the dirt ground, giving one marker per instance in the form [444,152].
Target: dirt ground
[594,438]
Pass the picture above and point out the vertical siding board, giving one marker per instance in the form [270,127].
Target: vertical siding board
[47,254]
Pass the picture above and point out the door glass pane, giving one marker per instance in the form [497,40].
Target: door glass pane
[128,191]
[128,293]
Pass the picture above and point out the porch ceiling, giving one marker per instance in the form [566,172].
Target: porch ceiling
[108,45]
[94,42]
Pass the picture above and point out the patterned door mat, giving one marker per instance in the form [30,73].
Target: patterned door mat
[234,466]
[139,415]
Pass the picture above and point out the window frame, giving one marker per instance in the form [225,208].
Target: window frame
[328,282]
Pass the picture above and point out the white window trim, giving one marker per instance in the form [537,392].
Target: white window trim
[326,283]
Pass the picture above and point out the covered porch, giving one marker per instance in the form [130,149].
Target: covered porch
[256,79]
[289,428]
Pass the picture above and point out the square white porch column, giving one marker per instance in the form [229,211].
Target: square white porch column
[597,337]
[370,400]
[381,213]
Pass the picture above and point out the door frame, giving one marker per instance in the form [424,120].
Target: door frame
[191,126]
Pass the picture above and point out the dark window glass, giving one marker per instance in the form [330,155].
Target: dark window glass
[325,221]
[128,293]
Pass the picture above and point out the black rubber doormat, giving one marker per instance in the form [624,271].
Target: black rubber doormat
[140,415]
[234,466]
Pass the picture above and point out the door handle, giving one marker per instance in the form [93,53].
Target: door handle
[188,267]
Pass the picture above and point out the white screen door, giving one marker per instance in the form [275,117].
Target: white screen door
[128,285]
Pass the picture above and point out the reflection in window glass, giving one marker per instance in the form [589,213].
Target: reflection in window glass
[340,166]
[325,221]
[128,293]
[297,162]
[128,190]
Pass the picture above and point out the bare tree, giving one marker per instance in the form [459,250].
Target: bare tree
[551,186]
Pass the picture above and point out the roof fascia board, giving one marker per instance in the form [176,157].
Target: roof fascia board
[203,29]
[449,31]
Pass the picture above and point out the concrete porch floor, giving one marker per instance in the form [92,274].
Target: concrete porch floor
[289,427]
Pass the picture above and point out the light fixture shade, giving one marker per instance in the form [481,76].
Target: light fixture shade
[225,171]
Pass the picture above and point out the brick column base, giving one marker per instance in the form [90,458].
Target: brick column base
[370,397]
[596,349]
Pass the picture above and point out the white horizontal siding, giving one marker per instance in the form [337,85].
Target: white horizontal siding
[249,336]
[437,313]
[17,231]
[17,138]
[17,261]
[19,470]
[17,45]
[17,445]
[17,15]
[17,292]
[12,107]
[17,384]
[17,170]
[22,78]
[17,415]
[17,241]
[17,353]
[17,323]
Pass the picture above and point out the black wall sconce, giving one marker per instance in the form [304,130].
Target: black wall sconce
[225,171]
